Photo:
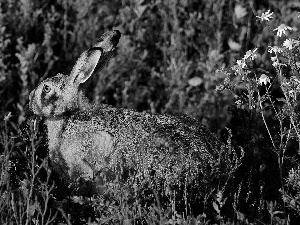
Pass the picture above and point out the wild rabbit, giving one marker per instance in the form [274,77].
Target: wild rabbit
[85,138]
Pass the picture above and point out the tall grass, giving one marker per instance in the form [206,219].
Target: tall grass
[166,62]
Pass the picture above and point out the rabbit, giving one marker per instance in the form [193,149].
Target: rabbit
[85,138]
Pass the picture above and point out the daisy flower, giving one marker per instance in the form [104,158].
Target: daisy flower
[250,54]
[282,29]
[241,63]
[274,49]
[266,16]
[288,43]
[264,79]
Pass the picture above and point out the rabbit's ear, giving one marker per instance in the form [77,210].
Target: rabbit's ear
[101,51]
[85,65]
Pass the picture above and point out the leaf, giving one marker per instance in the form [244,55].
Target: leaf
[33,208]
[240,12]
[234,45]
[192,221]
[280,99]
[277,212]
[240,216]
[195,81]
[216,207]
[139,10]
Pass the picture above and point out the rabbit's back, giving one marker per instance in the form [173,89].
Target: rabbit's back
[112,137]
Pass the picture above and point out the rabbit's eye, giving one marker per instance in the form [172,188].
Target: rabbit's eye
[46,88]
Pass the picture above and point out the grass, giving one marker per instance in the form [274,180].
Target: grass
[171,58]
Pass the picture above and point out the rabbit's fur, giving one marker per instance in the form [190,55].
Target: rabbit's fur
[85,138]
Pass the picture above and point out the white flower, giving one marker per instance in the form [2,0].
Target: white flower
[288,43]
[275,63]
[241,63]
[264,79]
[239,102]
[236,68]
[274,49]
[250,54]
[282,29]
[274,59]
[266,16]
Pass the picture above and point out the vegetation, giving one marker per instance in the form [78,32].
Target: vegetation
[233,65]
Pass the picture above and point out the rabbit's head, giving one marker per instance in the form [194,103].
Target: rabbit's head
[63,93]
